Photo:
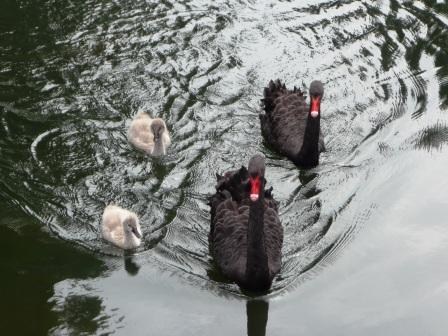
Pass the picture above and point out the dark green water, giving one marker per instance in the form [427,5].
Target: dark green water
[366,240]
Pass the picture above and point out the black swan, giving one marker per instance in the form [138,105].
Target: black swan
[246,235]
[290,126]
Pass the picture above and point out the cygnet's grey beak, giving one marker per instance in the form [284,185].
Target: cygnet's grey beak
[136,232]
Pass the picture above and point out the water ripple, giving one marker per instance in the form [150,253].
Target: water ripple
[65,108]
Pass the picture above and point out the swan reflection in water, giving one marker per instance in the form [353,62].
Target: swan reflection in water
[257,317]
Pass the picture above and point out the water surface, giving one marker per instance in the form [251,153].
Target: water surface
[365,238]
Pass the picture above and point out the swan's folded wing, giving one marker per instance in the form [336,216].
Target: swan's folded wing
[273,235]
[284,123]
[288,123]
[229,239]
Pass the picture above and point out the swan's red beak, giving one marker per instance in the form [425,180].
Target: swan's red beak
[255,185]
[315,106]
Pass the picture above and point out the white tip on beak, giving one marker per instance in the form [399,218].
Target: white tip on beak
[253,197]
[314,114]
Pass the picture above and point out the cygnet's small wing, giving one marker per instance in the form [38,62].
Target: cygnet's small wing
[111,218]
[140,134]
[111,226]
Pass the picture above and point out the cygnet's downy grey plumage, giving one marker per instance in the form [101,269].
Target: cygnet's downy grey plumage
[121,227]
[292,127]
[246,235]
[149,135]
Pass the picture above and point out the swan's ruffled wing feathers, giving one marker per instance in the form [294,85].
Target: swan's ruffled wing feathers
[230,185]
[284,121]
[228,240]
[275,90]
[235,182]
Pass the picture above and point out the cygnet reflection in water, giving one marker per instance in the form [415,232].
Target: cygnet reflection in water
[121,227]
[130,265]
[149,135]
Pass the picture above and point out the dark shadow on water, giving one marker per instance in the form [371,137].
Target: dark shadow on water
[130,265]
[32,262]
[80,314]
[257,317]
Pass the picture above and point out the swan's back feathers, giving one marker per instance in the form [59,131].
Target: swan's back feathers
[285,118]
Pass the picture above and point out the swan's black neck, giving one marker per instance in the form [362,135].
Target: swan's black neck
[309,153]
[257,270]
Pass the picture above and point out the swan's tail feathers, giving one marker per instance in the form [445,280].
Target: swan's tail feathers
[274,90]
[233,183]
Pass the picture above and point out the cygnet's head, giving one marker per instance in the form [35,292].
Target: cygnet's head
[131,266]
[131,228]
[157,128]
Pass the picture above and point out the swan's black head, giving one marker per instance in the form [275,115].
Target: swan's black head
[256,176]
[157,128]
[316,94]
[132,227]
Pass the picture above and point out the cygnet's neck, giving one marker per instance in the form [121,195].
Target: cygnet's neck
[130,240]
[159,147]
